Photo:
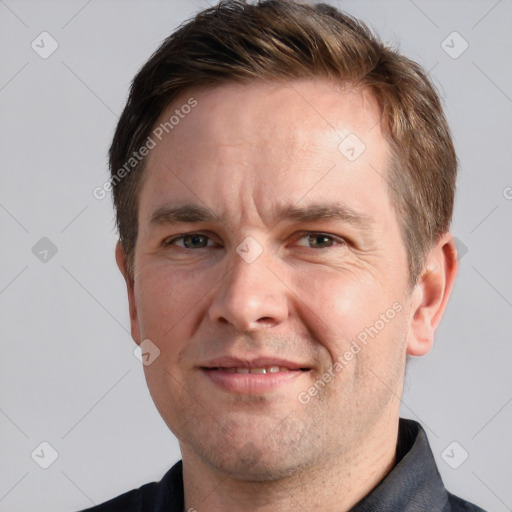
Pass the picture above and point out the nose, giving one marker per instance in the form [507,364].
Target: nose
[251,297]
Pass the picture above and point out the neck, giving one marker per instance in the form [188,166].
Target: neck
[335,486]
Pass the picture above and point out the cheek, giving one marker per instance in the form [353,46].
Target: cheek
[169,308]
[354,316]
[343,302]
[167,303]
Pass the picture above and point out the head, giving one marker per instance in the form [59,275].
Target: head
[312,172]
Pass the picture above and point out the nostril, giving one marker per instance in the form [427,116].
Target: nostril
[266,320]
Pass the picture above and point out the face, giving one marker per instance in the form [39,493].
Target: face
[271,274]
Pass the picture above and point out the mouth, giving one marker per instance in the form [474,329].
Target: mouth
[254,380]
[255,371]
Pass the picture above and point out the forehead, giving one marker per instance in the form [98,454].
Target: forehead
[234,112]
[266,141]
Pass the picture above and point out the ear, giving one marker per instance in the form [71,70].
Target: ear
[123,267]
[431,294]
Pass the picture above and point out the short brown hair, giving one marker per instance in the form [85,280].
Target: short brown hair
[236,41]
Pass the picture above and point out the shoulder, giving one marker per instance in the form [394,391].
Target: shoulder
[127,502]
[130,501]
[459,505]
[165,495]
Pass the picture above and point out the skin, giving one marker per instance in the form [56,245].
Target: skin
[243,151]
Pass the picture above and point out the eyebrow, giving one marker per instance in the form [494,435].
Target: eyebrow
[323,211]
[185,213]
[190,213]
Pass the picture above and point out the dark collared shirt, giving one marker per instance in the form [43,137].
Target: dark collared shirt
[413,485]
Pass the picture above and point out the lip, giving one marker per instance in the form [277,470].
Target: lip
[216,370]
[251,383]
[259,362]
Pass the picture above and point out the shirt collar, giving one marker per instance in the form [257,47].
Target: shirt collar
[414,484]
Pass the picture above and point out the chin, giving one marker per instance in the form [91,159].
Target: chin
[257,460]
[251,466]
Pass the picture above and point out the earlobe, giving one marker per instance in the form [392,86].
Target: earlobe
[123,267]
[431,294]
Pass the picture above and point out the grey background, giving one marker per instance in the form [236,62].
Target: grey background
[68,373]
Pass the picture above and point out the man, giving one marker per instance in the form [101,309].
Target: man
[284,187]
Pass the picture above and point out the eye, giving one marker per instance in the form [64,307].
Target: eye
[321,240]
[190,241]
[311,240]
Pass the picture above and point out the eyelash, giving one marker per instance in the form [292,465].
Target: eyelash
[336,239]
